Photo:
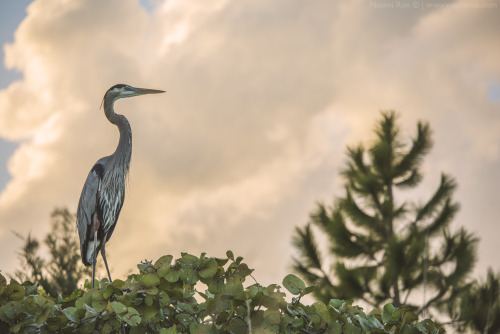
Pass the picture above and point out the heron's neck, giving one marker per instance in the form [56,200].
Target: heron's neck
[123,151]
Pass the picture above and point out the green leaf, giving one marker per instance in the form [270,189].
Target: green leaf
[215,286]
[118,283]
[315,319]
[221,262]
[10,311]
[387,312]
[16,328]
[407,329]
[242,271]
[108,292]
[162,265]
[173,275]
[146,268]
[150,311]
[74,314]
[41,318]
[221,304]
[196,328]
[148,300]
[322,310]
[351,329]
[272,320]
[294,284]
[427,326]
[132,317]
[208,268]
[230,255]
[308,290]
[99,305]
[163,298]
[31,289]
[186,308]
[14,291]
[232,289]
[31,306]
[163,271]
[149,280]
[87,284]
[3,284]
[189,276]
[91,310]
[171,330]
[165,260]
[118,307]
[88,326]
[85,299]
[336,303]
[237,325]
[189,261]
[297,322]
[152,291]
[365,324]
[409,318]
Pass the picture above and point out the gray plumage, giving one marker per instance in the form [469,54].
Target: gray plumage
[103,193]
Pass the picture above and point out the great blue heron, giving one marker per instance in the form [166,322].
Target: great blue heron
[104,190]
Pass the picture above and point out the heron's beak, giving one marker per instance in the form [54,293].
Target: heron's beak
[142,91]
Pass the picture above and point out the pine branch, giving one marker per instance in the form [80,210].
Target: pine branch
[386,129]
[444,217]
[411,180]
[444,191]
[304,241]
[431,301]
[344,242]
[357,215]
[412,160]
[463,255]
[305,272]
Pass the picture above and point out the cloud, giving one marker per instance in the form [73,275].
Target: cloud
[262,98]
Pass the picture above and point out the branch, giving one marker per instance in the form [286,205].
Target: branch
[432,300]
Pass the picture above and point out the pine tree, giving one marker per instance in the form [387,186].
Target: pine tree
[477,307]
[383,249]
[63,270]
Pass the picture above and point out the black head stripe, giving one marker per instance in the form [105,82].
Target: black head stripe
[117,86]
[109,90]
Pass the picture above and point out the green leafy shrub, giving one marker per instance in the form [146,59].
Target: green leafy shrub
[193,295]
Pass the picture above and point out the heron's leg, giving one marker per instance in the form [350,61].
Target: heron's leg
[94,260]
[103,252]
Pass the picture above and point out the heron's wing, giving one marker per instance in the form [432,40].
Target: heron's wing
[87,208]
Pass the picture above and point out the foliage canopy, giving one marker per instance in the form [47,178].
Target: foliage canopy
[193,295]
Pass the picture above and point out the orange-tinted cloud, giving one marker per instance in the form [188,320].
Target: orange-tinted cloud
[262,98]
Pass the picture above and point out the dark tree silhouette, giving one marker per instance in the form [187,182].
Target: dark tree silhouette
[477,308]
[383,248]
[63,270]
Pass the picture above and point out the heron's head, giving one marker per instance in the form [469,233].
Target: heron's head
[121,91]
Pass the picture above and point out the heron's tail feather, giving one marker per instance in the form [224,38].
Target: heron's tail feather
[89,257]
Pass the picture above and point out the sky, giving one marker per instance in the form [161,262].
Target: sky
[262,99]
